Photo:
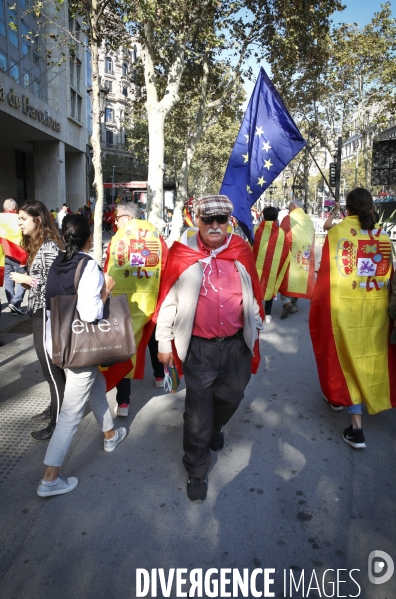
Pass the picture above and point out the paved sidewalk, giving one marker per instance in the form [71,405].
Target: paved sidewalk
[285,493]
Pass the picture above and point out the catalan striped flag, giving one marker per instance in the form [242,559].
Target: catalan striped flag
[271,255]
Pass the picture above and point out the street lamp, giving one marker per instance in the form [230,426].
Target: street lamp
[103,91]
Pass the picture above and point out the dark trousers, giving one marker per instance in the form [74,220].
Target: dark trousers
[124,386]
[14,292]
[216,375]
[54,375]
[268,307]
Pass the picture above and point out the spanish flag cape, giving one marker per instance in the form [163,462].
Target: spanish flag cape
[10,239]
[136,259]
[299,279]
[272,257]
[348,320]
[182,256]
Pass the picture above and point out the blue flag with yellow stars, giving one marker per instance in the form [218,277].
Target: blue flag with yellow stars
[267,141]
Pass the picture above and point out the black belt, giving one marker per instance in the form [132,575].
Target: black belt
[219,339]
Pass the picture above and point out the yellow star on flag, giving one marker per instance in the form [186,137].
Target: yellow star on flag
[260,181]
[247,138]
[259,131]
[246,157]
[268,164]
[248,189]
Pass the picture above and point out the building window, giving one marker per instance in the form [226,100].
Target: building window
[12,35]
[25,39]
[124,69]
[73,96]
[26,80]
[14,70]
[78,75]
[37,87]
[108,65]
[109,85]
[125,91]
[109,115]
[79,108]
[36,58]
[71,69]
[3,62]
[109,137]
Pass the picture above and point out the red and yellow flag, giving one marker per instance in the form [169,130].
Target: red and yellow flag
[272,256]
[348,321]
[187,217]
[10,239]
[136,259]
[299,279]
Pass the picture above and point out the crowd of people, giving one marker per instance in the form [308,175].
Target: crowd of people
[199,307]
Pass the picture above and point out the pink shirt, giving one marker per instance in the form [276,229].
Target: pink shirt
[219,314]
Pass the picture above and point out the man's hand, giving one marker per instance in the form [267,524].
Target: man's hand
[166,359]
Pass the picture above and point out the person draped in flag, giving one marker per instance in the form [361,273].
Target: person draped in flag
[272,256]
[13,255]
[299,279]
[210,307]
[349,323]
[136,258]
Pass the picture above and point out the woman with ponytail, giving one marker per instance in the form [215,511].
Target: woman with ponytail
[81,383]
[348,321]
[41,240]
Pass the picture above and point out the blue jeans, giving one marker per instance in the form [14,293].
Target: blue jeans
[355,409]
[13,292]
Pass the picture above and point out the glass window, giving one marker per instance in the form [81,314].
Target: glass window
[37,87]
[72,103]
[108,64]
[12,35]
[71,68]
[26,80]
[25,38]
[109,137]
[125,91]
[22,4]
[3,62]
[109,85]
[14,70]
[109,115]
[79,107]
[78,75]
[124,69]
[36,58]
[2,28]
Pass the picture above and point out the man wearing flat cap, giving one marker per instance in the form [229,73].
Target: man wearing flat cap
[209,318]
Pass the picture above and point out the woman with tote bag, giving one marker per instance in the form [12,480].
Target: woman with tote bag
[86,383]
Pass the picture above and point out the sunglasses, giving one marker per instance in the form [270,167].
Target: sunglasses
[221,219]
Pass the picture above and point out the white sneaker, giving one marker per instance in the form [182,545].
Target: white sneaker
[122,410]
[159,382]
[63,485]
[268,319]
[119,435]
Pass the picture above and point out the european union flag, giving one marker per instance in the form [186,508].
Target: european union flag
[267,141]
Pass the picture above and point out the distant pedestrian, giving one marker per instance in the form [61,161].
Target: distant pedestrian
[299,279]
[85,383]
[60,216]
[10,229]
[271,254]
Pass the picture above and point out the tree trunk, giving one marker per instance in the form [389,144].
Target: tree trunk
[97,152]
[366,158]
[155,187]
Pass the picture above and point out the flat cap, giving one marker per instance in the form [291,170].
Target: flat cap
[211,205]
